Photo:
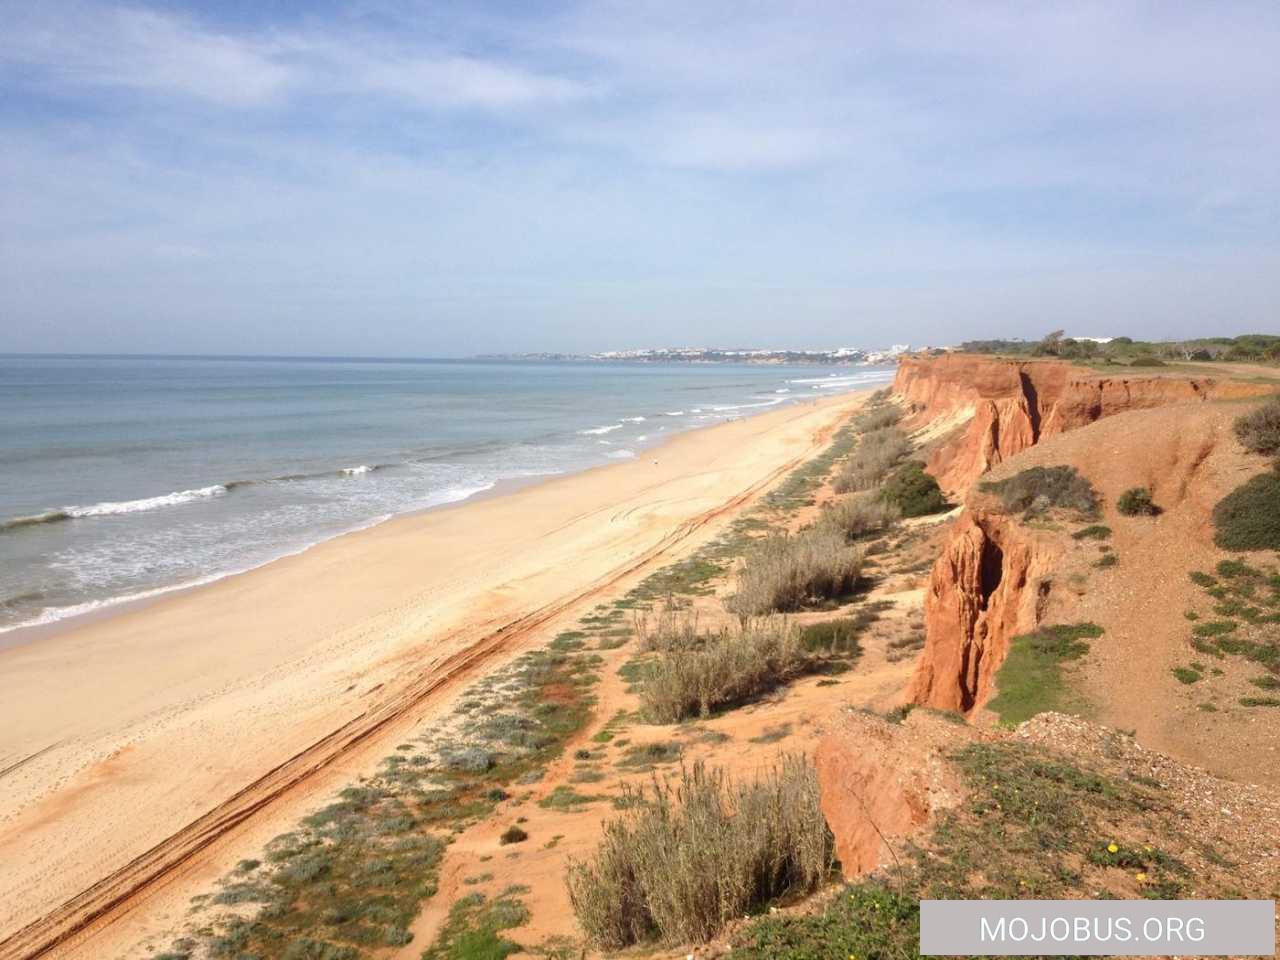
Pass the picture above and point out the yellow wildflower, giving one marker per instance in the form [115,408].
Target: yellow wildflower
[1112,848]
[1141,877]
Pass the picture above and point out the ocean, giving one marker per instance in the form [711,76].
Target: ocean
[124,477]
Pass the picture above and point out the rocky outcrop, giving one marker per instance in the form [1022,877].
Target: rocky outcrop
[1017,403]
[990,584]
[881,782]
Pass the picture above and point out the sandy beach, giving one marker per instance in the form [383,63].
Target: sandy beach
[179,731]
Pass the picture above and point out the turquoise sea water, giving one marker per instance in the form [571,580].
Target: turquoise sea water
[123,477]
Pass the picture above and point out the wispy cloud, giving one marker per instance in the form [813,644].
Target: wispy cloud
[142,50]
[550,174]
[88,46]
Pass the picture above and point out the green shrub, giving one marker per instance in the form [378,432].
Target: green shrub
[1259,431]
[1137,502]
[783,573]
[858,517]
[914,492]
[513,834]
[1248,518]
[721,669]
[1186,675]
[876,454]
[1038,489]
[684,860]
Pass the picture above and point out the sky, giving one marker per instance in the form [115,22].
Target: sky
[441,179]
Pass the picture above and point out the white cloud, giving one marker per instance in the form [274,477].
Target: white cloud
[643,163]
[85,46]
[138,49]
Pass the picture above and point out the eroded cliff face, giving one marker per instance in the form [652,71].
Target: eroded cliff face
[990,584]
[1016,403]
[880,782]
[992,579]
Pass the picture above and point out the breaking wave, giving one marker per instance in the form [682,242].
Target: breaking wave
[111,508]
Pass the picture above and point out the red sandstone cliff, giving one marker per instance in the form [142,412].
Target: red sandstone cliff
[989,585]
[880,782]
[1016,403]
[990,582]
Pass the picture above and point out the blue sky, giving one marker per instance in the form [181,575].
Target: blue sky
[448,178]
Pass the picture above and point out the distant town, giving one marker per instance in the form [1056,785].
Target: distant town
[838,355]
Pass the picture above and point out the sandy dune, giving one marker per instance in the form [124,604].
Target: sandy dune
[134,743]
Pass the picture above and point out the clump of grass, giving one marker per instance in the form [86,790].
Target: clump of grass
[877,453]
[914,492]
[1095,531]
[1259,431]
[723,668]
[1187,675]
[1137,502]
[685,859]
[784,573]
[565,798]
[861,516]
[1030,680]
[772,734]
[1038,489]
[1247,518]
[1260,701]
[1214,628]
[901,647]
[646,756]
[1105,561]
[670,627]
[838,636]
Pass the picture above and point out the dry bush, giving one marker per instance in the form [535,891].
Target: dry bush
[1259,430]
[783,573]
[670,627]
[877,416]
[684,860]
[693,678]
[861,516]
[876,454]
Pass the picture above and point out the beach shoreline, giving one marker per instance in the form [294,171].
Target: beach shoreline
[224,681]
[53,621]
